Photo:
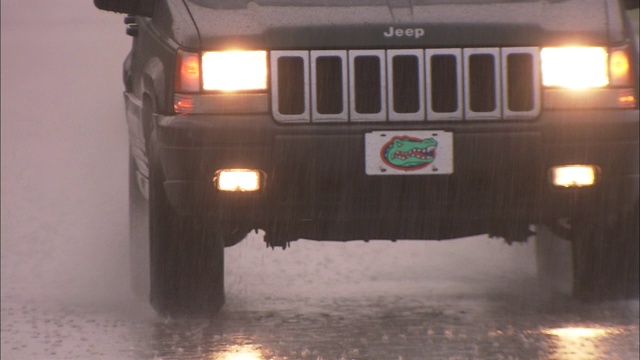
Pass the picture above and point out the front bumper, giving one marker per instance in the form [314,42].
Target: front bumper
[316,173]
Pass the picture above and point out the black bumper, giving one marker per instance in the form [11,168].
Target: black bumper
[316,173]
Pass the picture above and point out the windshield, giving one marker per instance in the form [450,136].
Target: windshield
[391,3]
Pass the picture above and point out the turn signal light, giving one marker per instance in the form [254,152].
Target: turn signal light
[619,67]
[187,72]
[627,99]
[183,104]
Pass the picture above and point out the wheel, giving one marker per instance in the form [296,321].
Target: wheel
[138,235]
[605,257]
[602,257]
[187,256]
[553,261]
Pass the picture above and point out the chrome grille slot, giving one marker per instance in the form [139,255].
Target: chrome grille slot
[520,76]
[482,83]
[367,85]
[329,93]
[405,85]
[405,72]
[444,84]
[290,84]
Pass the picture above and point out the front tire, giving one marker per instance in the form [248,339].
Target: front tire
[138,235]
[603,257]
[186,259]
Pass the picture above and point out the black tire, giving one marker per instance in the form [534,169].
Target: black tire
[138,235]
[187,256]
[606,257]
[603,253]
[553,261]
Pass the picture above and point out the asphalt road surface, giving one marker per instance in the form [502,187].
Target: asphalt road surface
[65,292]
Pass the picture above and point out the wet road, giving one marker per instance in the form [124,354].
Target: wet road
[419,301]
[64,259]
[468,299]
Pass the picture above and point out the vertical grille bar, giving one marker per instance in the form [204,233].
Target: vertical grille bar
[367,85]
[405,84]
[329,93]
[444,84]
[482,83]
[520,82]
[405,74]
[290,86]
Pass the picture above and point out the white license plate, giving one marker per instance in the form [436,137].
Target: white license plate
[409,153]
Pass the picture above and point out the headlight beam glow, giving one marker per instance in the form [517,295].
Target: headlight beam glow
[575,67]
[234,70]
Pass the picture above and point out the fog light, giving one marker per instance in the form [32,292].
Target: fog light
[237,180]
[573,175]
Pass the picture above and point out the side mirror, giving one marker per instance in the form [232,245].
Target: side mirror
[133,7]
[631,4]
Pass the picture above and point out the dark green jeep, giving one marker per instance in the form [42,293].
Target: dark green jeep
[378,119]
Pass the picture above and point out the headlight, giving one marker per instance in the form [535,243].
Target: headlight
[574,67]
[234,70]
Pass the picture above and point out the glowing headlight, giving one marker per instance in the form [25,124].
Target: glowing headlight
[574,67]
[234,70]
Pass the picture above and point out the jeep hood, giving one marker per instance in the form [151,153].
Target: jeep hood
[289,24]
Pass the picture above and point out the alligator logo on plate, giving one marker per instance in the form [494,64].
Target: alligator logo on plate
[409,153]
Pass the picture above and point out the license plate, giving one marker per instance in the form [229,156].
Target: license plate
[409,153]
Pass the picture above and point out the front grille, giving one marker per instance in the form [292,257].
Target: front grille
[405,85]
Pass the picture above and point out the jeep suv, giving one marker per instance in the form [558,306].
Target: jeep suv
[378,119]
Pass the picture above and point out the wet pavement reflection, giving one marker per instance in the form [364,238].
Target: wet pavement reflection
[484,303]
[499,327]
[329,307]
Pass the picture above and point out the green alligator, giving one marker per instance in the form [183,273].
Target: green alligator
[409,153]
